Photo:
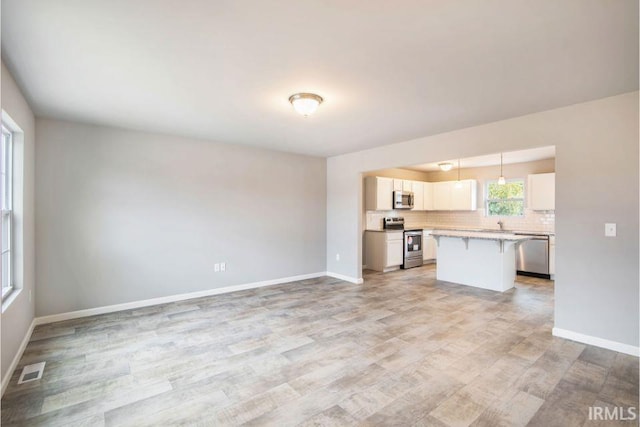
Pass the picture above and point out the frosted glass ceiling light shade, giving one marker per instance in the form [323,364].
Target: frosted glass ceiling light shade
[445,167]
[305,103]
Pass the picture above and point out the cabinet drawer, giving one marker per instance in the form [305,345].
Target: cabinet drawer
[394,235]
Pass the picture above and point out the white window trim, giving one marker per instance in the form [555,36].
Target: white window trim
[487,200]
[17,197]
[7,212]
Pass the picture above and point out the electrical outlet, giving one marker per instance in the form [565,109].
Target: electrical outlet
[223,266]
[610,230]
[337,257]
[216,267]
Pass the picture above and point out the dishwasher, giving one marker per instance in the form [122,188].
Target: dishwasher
[532,256]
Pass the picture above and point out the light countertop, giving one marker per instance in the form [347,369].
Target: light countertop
[466,229]
[483,235]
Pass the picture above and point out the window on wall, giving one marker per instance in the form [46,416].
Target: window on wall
[506,199]
[6,166]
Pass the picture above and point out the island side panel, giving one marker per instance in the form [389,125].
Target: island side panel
[481,265]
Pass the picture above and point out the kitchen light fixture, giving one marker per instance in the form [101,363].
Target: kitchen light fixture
[501,180]
[458,184]
[445,167]
[305,103]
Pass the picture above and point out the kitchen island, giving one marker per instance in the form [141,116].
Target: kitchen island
[482,259]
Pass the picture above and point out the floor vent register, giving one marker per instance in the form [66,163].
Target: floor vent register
[31,373]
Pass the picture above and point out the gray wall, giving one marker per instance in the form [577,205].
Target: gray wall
[125,216]
[596,182]
[16,318]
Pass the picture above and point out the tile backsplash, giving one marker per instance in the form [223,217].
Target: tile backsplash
[531,221]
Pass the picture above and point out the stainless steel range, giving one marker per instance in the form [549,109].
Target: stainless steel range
[412,242]
[412,248]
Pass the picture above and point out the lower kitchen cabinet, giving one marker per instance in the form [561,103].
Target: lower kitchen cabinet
[429,246]
[383,250]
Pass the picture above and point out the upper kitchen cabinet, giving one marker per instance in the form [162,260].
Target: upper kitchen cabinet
[428,196]
[464,196]
[542,191]
[378,193]
[402,185]
[442,196]
[455,195]
[418,195]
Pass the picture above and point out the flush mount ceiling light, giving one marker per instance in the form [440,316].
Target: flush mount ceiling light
[305,103]
[501,179]
[445,167]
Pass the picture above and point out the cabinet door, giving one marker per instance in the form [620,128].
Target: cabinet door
[407,185]
[542,191]
[429,248]
[378,193]
[461,196]
[418,195]
[428,196]
[442,196]
[397,185]
[384,194]
[395,253]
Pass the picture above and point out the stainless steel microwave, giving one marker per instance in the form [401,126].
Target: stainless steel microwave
[402,200]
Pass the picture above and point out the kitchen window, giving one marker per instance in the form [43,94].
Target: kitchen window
[6,160]
[506,199]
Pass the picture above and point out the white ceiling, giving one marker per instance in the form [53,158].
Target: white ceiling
[511,157]
[389,71]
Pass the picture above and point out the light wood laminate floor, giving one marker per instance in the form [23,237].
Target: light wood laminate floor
[402,349]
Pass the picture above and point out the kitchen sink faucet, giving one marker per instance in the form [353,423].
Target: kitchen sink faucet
[501,224]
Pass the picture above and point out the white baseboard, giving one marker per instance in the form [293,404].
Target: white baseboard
[171,298]
[598,342]
[17,357]
[345,278]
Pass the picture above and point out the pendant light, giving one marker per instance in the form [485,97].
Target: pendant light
[458,184]
[501,179]
[305,103]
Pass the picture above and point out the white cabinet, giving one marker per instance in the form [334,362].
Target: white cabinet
[442,196]
[464,195]
[418,195]
[552,256]
[395,250]
[383,250]
[455,195]
[542,191]
[378,193]
[402,185]
[429,246]
[428,196]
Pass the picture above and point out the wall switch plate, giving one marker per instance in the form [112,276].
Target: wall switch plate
[223,266]
[216,267]
[610,229]
[337,257]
